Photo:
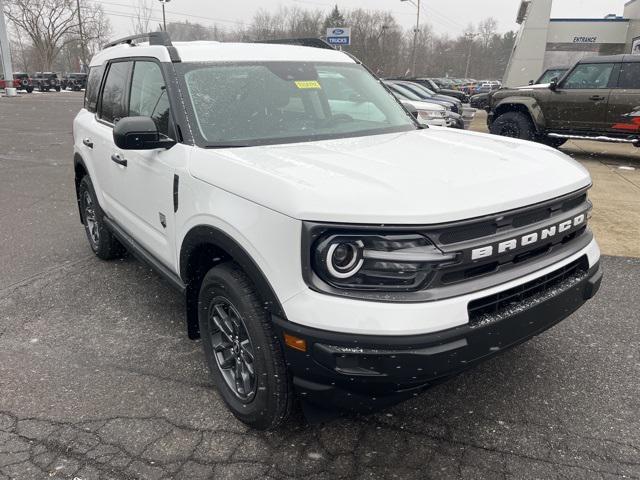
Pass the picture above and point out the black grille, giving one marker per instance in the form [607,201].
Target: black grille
[518,219]
[500,305]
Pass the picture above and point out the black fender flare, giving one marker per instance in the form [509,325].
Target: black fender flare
[227,248]
[78,167]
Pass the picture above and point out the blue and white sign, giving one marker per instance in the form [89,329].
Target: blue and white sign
[339,36]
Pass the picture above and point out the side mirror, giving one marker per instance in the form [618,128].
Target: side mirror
[553,86]
[532,82]
[139,133]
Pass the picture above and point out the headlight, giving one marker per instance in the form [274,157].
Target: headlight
[431,115]
[387,262]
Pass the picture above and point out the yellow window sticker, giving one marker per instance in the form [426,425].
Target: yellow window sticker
[308,85]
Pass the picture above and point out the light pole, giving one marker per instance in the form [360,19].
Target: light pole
[83,52]
[416,4]
[5,52]
[164,18]
[469,36]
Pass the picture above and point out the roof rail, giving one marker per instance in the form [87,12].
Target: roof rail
[303,42]
[155,38]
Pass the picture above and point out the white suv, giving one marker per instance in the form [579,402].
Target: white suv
[327,244]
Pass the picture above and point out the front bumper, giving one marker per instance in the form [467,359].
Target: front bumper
[364,373]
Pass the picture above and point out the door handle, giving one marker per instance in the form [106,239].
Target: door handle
[87,142]
[116,157]
[596,98]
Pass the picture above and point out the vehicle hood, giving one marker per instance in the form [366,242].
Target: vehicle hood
[425,176]
[537,86]
[426,105]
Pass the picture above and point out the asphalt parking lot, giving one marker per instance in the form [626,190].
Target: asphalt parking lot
[98,380]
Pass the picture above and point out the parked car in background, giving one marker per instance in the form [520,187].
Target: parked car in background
[4,84]
[431,85]
[74,81]
[404,93]
[467,114]
[45,81]
[24,80]
[487,86]
[428,113]
[598,99]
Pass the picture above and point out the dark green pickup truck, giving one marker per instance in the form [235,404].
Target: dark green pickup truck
[597,99]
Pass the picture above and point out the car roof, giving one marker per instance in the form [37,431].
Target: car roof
[611,59]
[206,51]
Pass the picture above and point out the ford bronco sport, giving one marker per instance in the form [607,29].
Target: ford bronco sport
[597,99]
[327,244]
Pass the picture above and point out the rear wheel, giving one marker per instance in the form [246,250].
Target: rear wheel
[242,352]
[101,240]
[513,125]
[29,89]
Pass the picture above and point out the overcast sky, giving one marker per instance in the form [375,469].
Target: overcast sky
[446,16]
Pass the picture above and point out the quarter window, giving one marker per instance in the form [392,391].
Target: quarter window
[589,76]
[112,106]
[630,76]
[149,95]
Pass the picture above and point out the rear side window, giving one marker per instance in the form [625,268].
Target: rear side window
[112,104]
[93,88]
[630,76]
[589,76]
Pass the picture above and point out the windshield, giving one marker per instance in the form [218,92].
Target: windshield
[404,92]
[549,75]
[278,102]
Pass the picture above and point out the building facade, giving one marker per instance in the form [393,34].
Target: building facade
[544,42]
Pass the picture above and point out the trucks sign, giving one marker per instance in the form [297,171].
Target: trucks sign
[339,36]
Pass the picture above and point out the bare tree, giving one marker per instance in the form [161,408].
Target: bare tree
[53,24]
[142,17]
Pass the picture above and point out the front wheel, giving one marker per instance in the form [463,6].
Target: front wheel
[514,125]
[241,349]
[57,89]
[101,240]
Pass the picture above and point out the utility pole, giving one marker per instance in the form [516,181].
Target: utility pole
[415,34]
[470,37]
[83,51]
[5,51]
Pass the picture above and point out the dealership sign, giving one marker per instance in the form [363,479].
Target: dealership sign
[339,36]
[585,39]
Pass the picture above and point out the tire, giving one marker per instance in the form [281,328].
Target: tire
[514,125]
[29,89]
[57,89]
[552,142]
[41,88]
[228,302]
[101,240]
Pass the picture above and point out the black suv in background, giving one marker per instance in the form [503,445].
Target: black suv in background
[598,99]
[74,81]
[431,85]
[45,81]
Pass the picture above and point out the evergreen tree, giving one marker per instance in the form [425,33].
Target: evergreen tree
[334,19]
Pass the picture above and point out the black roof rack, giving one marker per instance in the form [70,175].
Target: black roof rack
[303,42]
[155,38]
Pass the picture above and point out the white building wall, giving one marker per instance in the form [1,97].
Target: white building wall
[528,53]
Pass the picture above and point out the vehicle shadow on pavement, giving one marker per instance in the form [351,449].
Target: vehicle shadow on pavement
[100,381]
